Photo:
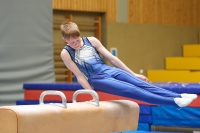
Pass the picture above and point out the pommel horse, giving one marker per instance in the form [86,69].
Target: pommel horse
[75,117]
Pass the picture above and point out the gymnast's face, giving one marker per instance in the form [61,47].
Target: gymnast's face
[74,42]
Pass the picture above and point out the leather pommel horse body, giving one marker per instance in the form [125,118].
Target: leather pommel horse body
[76,117]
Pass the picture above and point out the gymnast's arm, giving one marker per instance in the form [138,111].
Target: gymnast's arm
[112,59]
[72,67]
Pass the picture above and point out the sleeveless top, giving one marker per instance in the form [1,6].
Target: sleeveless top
[87,58]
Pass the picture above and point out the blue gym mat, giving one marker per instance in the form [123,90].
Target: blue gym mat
[145,109]
[168,115]
[179,87]
[52,86]
[145,119]
[143,127]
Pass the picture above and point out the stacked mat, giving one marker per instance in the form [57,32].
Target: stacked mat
[145,118]
[168,118]
[32,93]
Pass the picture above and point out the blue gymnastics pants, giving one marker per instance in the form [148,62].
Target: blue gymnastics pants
[119,82]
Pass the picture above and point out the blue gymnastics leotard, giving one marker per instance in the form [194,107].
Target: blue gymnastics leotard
[116,81]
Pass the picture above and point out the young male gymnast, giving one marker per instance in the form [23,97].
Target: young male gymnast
[82,57]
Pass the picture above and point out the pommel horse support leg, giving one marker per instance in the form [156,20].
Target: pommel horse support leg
[76,117]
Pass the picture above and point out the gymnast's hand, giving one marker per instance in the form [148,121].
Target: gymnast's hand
[142,77]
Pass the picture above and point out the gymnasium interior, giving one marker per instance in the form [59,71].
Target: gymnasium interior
[159,39]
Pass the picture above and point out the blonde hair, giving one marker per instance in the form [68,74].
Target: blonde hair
[69,29]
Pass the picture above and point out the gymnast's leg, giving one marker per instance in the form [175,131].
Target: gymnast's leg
[129,78]
[126,77]
[117,82]
[113,86]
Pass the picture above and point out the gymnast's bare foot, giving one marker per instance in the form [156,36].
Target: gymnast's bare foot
[190,96]
[182,102]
